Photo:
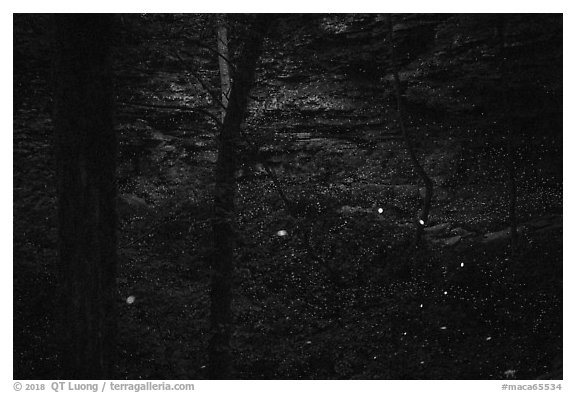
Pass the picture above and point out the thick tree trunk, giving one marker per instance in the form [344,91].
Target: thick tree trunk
[223,227]
[222,37]
[429,187]
[86,161]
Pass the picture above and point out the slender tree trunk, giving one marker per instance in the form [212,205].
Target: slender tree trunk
[220,364]
[222,37]
[86,161]
[423,218]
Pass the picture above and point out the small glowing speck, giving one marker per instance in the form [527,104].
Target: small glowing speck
[462,264]
[443,328]
[282,233]
[488,338]
[445,292]
[380,210]
[130,299]
[308,342]
[421,222]
[421,305]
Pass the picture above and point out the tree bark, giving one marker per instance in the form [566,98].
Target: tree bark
[220,364]
[222,37]
[86,163]
[423,218]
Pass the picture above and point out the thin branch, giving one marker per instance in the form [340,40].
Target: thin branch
[199,79]
[173,107]
[230,64]
[256,98]
[417,166]
[272,175]
[205,46]
[303,235]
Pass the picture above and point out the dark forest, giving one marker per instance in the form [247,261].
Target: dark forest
[287,196]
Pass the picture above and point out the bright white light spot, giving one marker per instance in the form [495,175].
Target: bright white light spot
[422,305]
[380,210]
[488,338]
[282,233]
[462,264]
[374,357]
[445,292]
[421,222]
[130,299]
[443,328]
[308,342]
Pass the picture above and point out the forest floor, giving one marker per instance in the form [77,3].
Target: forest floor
[331,291]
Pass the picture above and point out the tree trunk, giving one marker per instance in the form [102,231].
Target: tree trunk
[222,37]
[423,218]
[223,227]
[86,163]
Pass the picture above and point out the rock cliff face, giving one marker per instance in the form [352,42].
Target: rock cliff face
[325,86]
[323,105]
[452,66]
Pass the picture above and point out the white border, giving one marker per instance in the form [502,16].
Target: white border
[195,6]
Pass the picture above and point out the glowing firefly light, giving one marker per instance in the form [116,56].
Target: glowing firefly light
[421,222]
[130,299]
[282,233]
[380,210]
[462,264]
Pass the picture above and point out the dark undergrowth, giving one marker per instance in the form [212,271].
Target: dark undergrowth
[355,303]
